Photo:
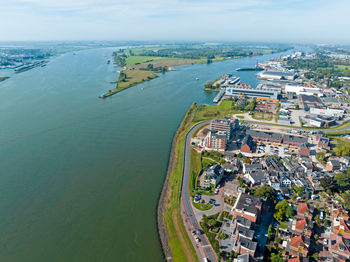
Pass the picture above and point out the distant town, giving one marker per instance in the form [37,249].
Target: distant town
[270,180]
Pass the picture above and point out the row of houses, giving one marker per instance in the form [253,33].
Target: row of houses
[270,137]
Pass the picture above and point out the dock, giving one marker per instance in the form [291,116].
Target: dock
[218,97]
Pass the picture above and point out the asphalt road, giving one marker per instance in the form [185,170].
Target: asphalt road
[207,249]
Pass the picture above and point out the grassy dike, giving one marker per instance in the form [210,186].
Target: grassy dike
[176,243]
[3,78]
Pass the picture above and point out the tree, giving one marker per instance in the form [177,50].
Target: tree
[283,211]
[276,258]
[222,235]
[122,77]
[342,150]
[327,183]
[316,256]
[150,66]
[320,157]
[269,232]
[346,197]
[251,105]
[300,191]
[208,85]
[326,223]
[246,160]
[343,180]
[316,237]
[317,220]
[265,191]
[212,222]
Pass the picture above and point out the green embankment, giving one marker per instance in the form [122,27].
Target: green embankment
[179,242]
[3,78]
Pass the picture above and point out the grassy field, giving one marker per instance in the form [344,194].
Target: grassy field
[202,207]
[133,77]
[168,62]
[342,67]
[205,112]
[195,170]
[180,244]
[262,116]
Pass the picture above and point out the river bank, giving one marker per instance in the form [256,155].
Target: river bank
[3,78]
[175,241]
[143,64]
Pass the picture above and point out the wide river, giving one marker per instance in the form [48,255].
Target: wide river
[80,176]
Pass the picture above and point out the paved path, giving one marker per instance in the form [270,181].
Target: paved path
[205,249]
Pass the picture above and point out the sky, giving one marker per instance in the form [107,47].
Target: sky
[299,21]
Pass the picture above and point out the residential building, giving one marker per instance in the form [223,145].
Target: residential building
[248,168]
[333,165]
[216,140]
[213,176]
[294,141]
[247,145]
[304,150]
[224,125]
[257,177]
[298,246]
[248,207]
[266,137]
[272,164]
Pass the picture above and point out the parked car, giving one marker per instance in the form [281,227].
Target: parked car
[212,202]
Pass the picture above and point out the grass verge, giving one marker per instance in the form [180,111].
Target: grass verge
[179,242]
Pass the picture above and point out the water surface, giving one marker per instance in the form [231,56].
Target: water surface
[80,176]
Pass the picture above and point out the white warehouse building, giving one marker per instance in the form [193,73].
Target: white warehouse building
[334,112]
[303,90]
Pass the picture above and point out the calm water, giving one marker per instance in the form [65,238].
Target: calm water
[80,176]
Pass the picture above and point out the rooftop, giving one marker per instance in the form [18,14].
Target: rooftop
[248,203]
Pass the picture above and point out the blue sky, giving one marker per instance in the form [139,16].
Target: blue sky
[310,21]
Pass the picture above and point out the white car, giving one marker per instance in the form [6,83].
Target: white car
[197,239]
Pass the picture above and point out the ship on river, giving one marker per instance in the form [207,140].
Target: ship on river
[254,68]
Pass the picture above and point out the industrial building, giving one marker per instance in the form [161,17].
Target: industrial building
[308,101]
[299,90]
[249,92]
[277,75]
[329,112]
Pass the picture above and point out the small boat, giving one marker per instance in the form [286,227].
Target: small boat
[197,78]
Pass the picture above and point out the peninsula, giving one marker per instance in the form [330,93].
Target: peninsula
[144,63]
[3,78]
